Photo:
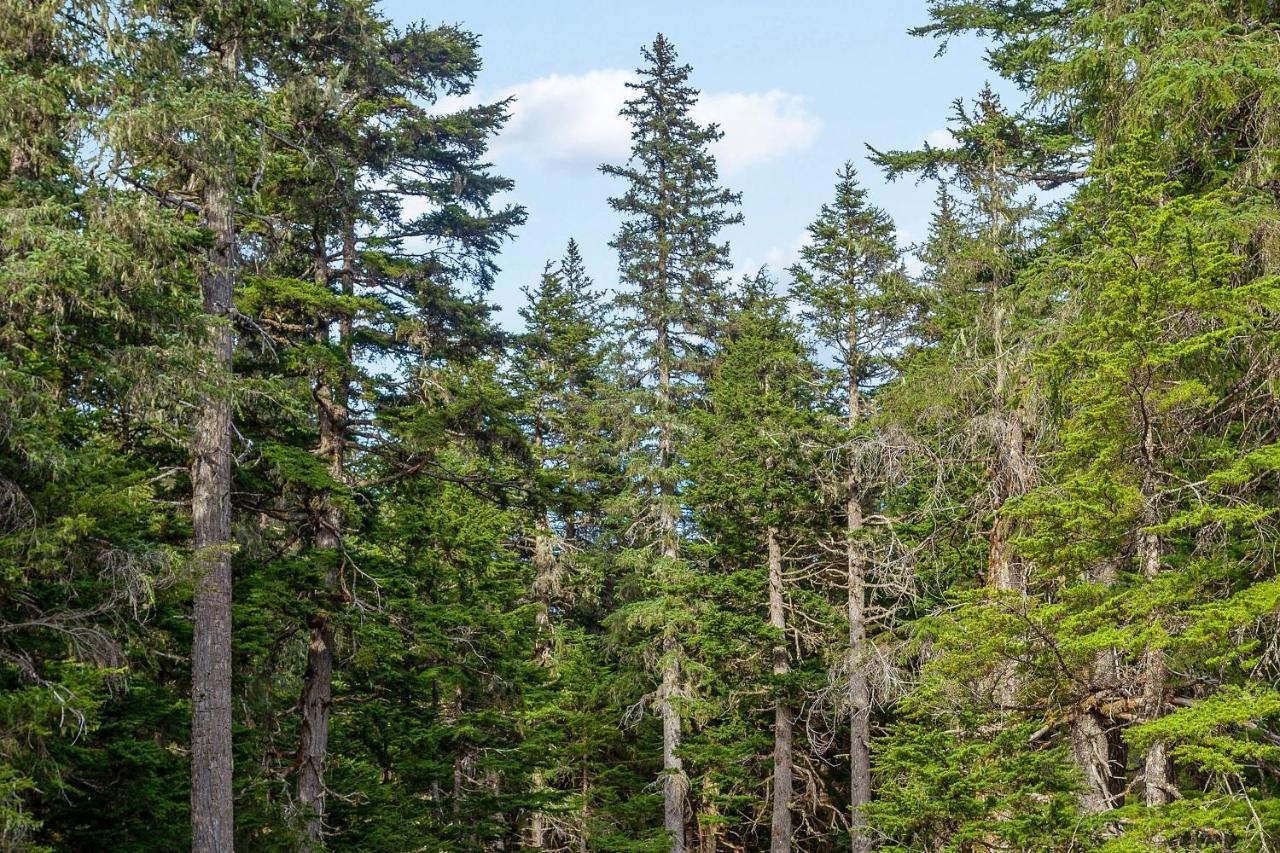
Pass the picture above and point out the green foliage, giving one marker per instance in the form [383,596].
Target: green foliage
[531,550]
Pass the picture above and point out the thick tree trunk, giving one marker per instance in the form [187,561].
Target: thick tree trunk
[212,827]
[1012,476]
[317,695]
[780,831]
[332,396]
[1091,750]
[1096,744]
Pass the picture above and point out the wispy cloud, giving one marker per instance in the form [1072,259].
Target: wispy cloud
[777,258]
[572,121]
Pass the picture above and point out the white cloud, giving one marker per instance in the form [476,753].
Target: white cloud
[572,121]
[758,126]
[568,120]
[941,138]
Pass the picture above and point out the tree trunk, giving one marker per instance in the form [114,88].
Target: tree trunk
[1011,478]
[1096,744]
[674,784]
[1099,753]
[537,821]
[1156,774]
[332,402]
[780,831]
[317,687]
[859,688]
[212,827]
[543,587]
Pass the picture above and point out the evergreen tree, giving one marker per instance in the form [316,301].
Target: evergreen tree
[851,285]
[670,257]
[1008,529]
[1149,381]
[338,292]
[98,320]
[186,112]
[556,372]
[755,502]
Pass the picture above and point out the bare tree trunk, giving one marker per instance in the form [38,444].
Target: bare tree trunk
[543,587]
[212,817]
[780,831]
[317,694]
[332,403]
[674,783]
[1156,774]
[1011,478]
[859,688]
[1097,752]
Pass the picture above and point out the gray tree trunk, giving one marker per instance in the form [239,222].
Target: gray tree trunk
[859,688]
[1005,571]
[1156,774]
[212,819]
[674,783]
[780,829]
[543,586]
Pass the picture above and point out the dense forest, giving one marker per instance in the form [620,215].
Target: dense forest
[968,545]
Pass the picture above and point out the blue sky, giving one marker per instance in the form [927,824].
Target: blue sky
[798,89]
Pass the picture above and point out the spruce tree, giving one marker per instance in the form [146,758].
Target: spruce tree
[670,261]
[97,323]
[185,113]
[349,282]
[755,501]
[556,372]
[850,283]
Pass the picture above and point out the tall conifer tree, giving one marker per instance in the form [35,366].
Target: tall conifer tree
[850,283]
[671,260]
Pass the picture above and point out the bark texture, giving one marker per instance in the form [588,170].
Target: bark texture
[211,772]
[1096,743]
[674,782]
